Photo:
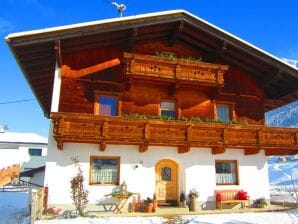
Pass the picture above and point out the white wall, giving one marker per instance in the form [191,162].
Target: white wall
[196,170]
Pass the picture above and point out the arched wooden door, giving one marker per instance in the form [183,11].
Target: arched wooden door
[166,190]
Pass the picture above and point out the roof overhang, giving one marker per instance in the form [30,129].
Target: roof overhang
[36,55]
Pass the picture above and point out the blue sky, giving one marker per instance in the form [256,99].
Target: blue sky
[269,24]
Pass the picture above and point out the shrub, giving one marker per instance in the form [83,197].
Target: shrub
[78,194]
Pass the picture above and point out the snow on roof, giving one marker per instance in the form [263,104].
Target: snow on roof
[15,137]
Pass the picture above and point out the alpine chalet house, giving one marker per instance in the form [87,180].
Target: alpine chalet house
[166,102]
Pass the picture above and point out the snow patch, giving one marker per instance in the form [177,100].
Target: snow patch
[291,62]
[251,218]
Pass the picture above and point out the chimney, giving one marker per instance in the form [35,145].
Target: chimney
[3,128]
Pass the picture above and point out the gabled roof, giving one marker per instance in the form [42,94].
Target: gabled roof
[22,138]
[36,51]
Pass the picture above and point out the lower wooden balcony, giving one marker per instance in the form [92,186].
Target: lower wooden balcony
[82,128]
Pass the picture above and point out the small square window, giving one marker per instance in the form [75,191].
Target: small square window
[226,172]
[168,109]
[223,112]
[108,105]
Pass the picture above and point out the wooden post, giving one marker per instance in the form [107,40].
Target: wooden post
[33,206]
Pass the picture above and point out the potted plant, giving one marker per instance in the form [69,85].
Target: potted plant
[260,203]
[148,205]
[193,202]
[182,200]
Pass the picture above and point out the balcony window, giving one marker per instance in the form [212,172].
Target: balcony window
[104,170]
[107,105]
[223,112]
[168,109]
[226,172]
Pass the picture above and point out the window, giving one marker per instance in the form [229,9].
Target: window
[226,172]
[107,105]
[223,112]
[104,170]
[168,109]
[35,152]
[166,174]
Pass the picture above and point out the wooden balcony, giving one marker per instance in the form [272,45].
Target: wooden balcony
[155,67]
[81,128]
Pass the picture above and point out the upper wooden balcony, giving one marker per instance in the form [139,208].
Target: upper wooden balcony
[82,128]
[156,67]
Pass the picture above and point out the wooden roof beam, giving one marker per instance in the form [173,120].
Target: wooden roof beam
[132,39]
[108,43]
[251,151]
[34,67]
[287,92]
[248,59]
[217,150]
[58,54]
[176,33]
[68,72]
[241,64]
[197,44]
[93,39]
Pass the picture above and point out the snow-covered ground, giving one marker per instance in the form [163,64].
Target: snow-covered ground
[281,173]
[290,217]
[13,208]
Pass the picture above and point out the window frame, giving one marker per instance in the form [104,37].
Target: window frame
[169,101]
[117,158]
[231,107]
[35,149]
[236,172]
[111,95]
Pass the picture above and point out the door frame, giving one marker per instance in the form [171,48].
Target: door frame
[177,175]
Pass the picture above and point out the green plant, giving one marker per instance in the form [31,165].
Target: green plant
[171,56]
[118,194]
[148,200]
[194,193]
[261,202]
[191,59]
[78,194]
[195,119]
[182,197]
[168,56]
[183,119]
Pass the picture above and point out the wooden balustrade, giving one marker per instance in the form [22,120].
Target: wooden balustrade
[158,67]
[82,128]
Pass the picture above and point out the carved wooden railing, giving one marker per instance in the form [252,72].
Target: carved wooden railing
[158,67]
[81,128]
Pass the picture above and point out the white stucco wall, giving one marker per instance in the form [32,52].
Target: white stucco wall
[196,170]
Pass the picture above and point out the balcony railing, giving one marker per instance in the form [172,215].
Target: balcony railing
[158,67]
[82,128]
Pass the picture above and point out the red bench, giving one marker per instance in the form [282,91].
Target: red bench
[231,197]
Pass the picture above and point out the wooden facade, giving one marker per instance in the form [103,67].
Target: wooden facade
[142,62]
